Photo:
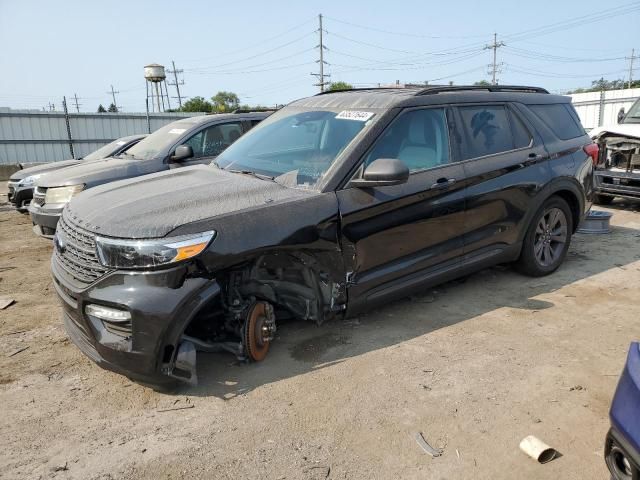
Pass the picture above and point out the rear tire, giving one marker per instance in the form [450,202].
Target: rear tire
[547,240]
[603,199]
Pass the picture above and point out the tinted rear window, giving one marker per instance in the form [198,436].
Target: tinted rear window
[487,130]
[521,135]
[559,118]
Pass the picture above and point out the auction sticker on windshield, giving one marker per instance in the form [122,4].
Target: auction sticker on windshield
[177,131]
[355,115]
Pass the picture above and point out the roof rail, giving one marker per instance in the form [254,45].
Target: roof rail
[489,88]
[363,89]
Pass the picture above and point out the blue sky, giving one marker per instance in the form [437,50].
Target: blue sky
[264,51]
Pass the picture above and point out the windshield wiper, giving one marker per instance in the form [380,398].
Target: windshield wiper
[253,174]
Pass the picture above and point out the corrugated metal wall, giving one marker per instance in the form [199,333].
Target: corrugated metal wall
[601,108]
[35,137]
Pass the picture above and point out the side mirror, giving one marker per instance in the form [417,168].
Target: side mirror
[382,172]
[621,115]
[182,153]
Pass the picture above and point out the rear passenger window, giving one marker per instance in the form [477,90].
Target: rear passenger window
[521,136]
[560,119]
[419,138]
[487,130]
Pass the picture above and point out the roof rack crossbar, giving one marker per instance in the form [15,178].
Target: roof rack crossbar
[489,88]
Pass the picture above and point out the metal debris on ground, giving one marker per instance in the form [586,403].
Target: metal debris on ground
[434,452]
[183,407]
[6,302]
[15,352]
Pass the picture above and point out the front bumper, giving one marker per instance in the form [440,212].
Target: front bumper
[45,218]
[625,421]
[19,196]
[161,303]
[618,183]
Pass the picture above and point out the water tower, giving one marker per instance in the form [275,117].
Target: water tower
[155,77]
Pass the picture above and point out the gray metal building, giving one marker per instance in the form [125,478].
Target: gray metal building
[28,136]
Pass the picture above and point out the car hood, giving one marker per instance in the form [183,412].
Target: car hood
[97,172]
[153,206]
[624,129]
[38,169]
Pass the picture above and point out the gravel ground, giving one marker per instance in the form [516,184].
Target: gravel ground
[474,365]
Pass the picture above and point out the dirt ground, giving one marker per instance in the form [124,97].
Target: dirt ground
[474,365]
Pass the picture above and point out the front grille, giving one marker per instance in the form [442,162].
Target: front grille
[38,196]
[77,255]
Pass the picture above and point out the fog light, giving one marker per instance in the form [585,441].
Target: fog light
[107,313]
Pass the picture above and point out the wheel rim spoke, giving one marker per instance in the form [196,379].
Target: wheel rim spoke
[538,249]
[559,235]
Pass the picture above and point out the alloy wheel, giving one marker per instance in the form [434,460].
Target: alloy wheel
[550,237]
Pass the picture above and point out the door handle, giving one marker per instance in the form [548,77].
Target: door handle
[443,183]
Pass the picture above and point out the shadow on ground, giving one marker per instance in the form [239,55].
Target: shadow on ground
[303,347]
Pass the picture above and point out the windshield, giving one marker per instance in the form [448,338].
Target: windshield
[158,141]
[106,151]
[634,113]
[298,142]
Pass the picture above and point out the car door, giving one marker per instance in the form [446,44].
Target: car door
[504,165]
[209,142]
[395,237]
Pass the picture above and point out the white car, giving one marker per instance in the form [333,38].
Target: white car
[618,171]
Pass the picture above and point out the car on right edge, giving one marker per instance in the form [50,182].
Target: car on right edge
[335,204]
[622,444]
[618,170]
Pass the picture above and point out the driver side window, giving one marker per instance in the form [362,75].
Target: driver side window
[419,138]
[212,141]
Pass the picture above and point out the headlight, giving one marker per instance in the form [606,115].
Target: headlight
[28,181]
[62,194]
[150,253]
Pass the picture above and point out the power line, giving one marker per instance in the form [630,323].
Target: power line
[262,42]
[252,56]
[275,60]
[521,52]
[574,22]
[321,48]
[494,67]
[404,34]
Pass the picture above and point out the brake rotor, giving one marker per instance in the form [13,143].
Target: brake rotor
[259,331]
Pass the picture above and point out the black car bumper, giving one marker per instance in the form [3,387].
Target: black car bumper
[161,303]
[618,183]
[19,197]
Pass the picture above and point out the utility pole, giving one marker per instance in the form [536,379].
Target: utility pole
[75,97]
[631,59]
[494,67]
[321,76]
[176,84]
[68,123]
[52,107]
[113,95]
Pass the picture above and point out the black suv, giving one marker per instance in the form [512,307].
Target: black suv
[336,203]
